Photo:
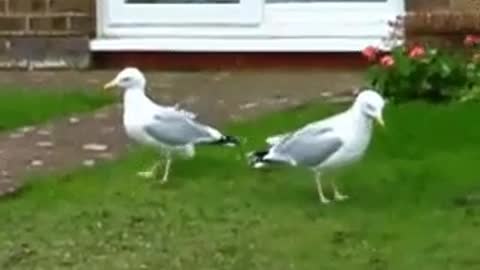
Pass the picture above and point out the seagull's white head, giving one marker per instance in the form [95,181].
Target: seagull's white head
[371,104]
[128,78]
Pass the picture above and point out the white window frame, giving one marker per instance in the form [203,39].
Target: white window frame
[284,27]
[118,13]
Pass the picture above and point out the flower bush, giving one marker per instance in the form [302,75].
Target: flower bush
[408,72]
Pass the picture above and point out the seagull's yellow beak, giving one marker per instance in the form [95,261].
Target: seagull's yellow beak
[110,85]
[380,121]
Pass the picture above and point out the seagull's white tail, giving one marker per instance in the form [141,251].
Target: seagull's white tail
[255,159]
[228,140]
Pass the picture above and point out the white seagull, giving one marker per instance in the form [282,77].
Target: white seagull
[327,144]
[168,129]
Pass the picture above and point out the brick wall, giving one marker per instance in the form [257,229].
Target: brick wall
[447,20]
[423,5]
[45,33]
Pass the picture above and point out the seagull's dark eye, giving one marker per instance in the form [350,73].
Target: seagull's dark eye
[126,79]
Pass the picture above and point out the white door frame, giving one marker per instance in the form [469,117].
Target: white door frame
[289,27]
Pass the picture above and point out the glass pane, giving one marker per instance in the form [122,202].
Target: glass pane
[331,1]
[182,1]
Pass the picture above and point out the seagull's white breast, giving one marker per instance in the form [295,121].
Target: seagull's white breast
[134,127]
[138,114]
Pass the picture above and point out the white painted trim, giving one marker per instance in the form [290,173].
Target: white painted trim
[232,45]
[284,27]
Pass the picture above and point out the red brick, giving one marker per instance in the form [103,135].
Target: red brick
[27,6]
[48,24]
[444,23]
[12,23]
[82,24]
[465,5]
[83,6]
[2,6]
[423,5]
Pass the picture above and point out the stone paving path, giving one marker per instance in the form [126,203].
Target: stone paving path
[83,140]
[62,144]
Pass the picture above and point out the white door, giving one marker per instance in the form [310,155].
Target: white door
[159,13]
[243,25]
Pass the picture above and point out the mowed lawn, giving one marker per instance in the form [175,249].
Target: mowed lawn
[19,107]
[406,209]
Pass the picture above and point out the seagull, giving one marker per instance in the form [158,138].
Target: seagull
[326,144]
[166,128]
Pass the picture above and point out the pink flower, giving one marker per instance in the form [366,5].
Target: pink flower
[471,40]
[417,51]
[370,53]
[387,61]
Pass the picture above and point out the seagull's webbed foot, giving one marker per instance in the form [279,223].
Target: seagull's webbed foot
[340,197]
[146,174]
[151,173]
[324,200]
[164,180]
[337,195]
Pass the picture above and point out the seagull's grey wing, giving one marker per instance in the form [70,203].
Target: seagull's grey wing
[186,113]
[176,129]
[308,147]
[174,110]
[280,138]
[314,127]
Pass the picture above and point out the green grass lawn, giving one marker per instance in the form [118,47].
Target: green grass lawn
[218,214]
[25,107]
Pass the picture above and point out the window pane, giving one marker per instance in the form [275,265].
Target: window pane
[182,1]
